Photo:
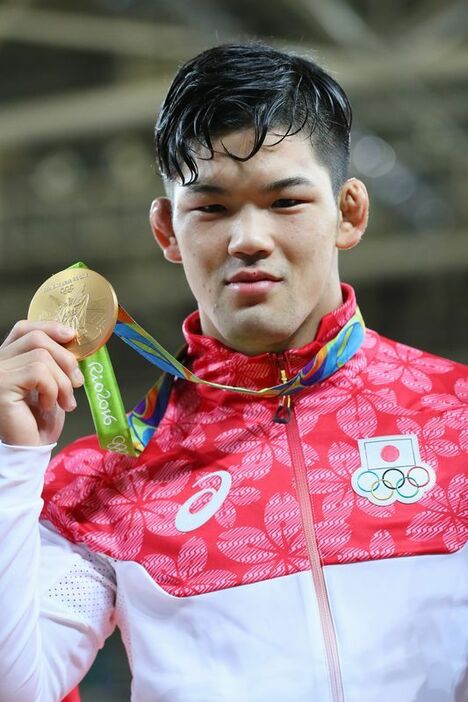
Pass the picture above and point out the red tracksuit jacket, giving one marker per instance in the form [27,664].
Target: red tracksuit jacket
[362,491]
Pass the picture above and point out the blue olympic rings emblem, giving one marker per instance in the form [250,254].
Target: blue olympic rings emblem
[406,485]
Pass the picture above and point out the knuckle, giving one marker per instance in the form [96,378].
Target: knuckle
[69,360]
[39,369]
[37,338]
[41,356]
[21,326]
[19,329]
[66,390]
[64,380]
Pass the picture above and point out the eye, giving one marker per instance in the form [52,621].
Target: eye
[211,209]
[285,202]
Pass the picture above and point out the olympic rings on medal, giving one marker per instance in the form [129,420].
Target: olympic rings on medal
[393,480]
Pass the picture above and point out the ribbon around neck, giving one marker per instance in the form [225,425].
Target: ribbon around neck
[130,433]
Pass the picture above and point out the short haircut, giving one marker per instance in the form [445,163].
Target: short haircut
[239,86]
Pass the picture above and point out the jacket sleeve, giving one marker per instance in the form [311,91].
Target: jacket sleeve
[56,598]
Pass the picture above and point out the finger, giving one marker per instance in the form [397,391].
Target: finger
[31,368]
[44,392]
[25,421]
[65,397]
[39,339]
[33,384]
[59,332]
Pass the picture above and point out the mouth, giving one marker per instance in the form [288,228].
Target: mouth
[252,282]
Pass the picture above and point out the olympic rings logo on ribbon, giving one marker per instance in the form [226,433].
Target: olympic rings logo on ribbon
[118,444]
[406,484]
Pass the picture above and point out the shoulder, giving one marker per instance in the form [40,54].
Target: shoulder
[73,483]
[417,371]
[82,456]
[83,464]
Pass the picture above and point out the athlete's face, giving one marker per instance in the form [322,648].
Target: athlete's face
[258,241]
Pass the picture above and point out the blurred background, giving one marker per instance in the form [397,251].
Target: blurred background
[81,82]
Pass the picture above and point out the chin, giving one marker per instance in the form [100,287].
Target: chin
[255,338]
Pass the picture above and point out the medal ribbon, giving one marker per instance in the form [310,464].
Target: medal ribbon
[131,433]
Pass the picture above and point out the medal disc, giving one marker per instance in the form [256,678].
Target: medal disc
[81,299]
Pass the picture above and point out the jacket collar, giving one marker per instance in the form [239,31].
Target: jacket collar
[212,360]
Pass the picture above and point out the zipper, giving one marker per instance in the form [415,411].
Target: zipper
[283,411]
[305,506]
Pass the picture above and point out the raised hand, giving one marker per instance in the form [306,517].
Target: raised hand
[37,378]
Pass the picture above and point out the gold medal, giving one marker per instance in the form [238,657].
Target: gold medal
[81,299]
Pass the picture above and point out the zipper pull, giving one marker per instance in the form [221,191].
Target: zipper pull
[283,411]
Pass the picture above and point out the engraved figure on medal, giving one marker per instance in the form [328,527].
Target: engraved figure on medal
[72,312]
[86,319]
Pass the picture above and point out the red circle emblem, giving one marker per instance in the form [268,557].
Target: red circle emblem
[389,453]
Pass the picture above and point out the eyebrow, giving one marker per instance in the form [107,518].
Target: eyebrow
[204,188]
[287,183]
[271,187]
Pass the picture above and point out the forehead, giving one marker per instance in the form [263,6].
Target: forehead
[278,159]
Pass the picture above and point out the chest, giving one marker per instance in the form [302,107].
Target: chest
[219,498]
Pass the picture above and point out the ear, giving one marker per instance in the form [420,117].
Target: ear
[354,213]
[160,217]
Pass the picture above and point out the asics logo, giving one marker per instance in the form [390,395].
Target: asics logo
[186,520]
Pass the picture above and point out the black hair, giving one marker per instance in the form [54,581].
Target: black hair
[239,86]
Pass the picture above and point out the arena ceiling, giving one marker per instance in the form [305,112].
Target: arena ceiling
[83,79]
[80,85]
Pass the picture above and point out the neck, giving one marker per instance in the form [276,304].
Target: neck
[255,341]
[215,361]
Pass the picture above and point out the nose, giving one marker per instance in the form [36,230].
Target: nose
[250,235]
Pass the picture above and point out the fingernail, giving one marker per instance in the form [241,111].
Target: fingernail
[66,331]
[77,377]
[72,403]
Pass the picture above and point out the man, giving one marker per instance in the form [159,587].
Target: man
[309,546]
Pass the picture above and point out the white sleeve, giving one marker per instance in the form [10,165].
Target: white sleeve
[56,598]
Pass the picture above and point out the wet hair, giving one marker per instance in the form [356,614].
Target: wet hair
[239,86]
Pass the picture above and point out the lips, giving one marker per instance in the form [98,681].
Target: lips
[252,285]
[252,277]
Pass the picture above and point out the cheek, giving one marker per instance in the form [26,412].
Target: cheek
[310,235]
[312,259]
[198,268]
[309,252]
